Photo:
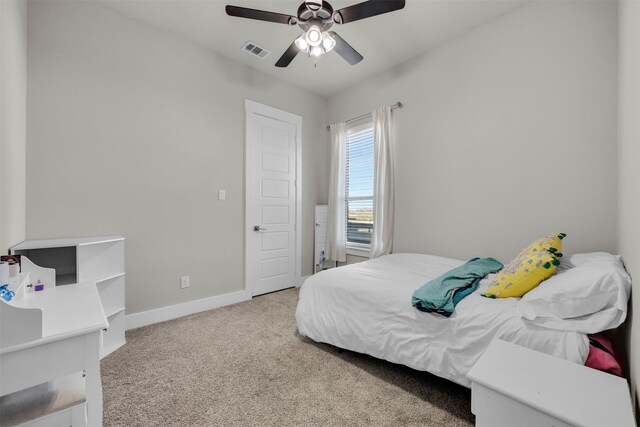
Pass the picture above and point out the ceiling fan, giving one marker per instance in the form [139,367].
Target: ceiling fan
[315,17]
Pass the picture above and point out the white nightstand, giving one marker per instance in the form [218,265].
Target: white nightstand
[516,386]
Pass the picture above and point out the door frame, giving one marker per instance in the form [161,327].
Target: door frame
[254,108]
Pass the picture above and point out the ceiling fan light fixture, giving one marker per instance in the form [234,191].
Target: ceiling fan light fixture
[302,44]
[315,17]
[314,36]
[328,43]
[316,51]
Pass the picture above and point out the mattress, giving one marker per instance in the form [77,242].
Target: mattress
[366,308]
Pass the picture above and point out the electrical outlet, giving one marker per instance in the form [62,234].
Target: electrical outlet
[184,282]
[222,195]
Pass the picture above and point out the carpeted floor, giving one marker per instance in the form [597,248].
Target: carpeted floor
[246,365]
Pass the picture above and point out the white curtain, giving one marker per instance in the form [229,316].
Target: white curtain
[383,197]
[335,248]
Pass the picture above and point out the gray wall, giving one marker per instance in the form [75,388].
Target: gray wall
[132,131]
[13,119]
[508,133]
[628,172]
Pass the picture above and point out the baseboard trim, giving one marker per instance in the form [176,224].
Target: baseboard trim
[144,318]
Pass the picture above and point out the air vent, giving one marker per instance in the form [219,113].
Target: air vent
[255,50]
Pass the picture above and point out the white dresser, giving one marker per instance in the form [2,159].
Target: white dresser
[87,259]
[516,386]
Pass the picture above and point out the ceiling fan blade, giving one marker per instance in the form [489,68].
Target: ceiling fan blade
[345,50]
[288,56]
[366,9]
[260,15]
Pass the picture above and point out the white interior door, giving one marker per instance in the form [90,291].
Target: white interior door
[271,169]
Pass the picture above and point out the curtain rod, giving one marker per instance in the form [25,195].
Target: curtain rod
[393,107]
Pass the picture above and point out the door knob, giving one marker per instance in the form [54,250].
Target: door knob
[258,228]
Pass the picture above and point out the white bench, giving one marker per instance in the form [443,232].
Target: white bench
[516,386]
[58,403]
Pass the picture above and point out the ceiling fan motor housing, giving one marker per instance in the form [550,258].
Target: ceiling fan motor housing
[314,12]
[314,5]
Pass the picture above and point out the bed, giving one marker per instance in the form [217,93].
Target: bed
[366,308]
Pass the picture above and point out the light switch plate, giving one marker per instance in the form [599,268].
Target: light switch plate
[222,195]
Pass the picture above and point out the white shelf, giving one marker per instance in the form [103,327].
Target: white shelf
[100,260]
[66,279]
[114,336]
[105,351]
[113,311]
[59,243]
[88,259]
[115,276]
[116,311]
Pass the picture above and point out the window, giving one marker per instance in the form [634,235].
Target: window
[359,189]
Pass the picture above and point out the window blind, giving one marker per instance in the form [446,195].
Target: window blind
[359,185]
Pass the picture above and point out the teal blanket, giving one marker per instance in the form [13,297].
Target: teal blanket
[441,295]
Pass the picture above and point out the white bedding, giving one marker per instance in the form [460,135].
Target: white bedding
[366,307]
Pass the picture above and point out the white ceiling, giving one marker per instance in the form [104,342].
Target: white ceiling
[385,40]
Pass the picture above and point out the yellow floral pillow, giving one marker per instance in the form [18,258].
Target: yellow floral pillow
[535,263]
[552,243]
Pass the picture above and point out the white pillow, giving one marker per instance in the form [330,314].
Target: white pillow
[595,258]
[568,262]
[565,264]
[590,297]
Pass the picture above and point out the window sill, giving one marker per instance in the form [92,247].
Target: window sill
[358,250]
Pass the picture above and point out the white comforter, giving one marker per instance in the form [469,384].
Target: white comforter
[366,307]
